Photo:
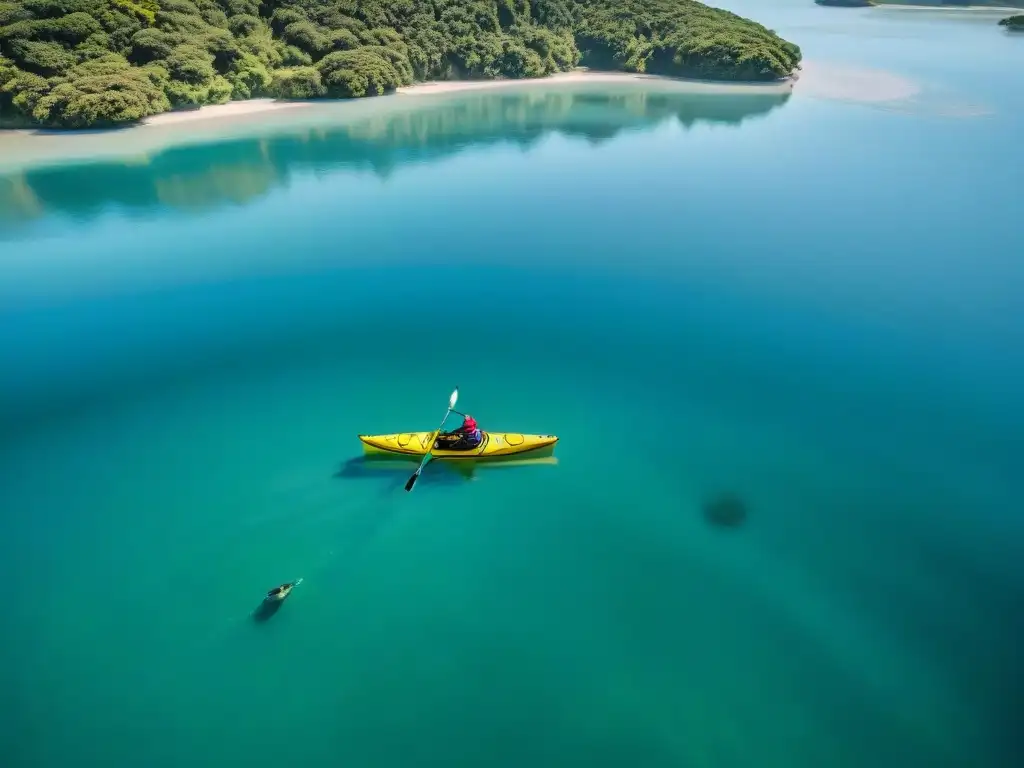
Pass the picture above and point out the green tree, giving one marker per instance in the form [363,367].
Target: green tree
[207,51]
[190,64]
[42,58]
[298,83]
[365,71]
[249,77]
[107,91]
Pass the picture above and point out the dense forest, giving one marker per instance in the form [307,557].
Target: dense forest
[1013,23]
[81,63]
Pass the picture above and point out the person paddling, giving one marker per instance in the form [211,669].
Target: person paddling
[469,430]
[273,600]
[281,591]
[461,438]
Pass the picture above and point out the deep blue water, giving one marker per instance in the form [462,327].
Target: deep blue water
[809,303]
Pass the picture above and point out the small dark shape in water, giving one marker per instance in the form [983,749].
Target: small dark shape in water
[725,511]
[273,601]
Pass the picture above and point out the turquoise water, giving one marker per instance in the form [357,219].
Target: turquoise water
[812,304]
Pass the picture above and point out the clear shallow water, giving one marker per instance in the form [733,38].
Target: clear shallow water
[817,302]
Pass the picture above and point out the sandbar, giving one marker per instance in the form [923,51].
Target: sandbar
[843,82]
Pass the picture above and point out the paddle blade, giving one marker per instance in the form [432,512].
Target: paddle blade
[412,480]
[452,400]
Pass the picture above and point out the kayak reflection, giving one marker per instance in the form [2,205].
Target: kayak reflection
[377,467]
[437,473]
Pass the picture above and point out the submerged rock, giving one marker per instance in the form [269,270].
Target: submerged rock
[725,511]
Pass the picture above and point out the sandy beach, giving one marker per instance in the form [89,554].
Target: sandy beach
[582,76]
[231,109]
[237,109]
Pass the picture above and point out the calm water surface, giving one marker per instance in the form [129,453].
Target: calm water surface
[812,304]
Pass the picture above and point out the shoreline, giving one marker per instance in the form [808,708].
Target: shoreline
[229,109]
[259,106]
[26,148]
[582,75]
[958,8]
[436,87]
[23,149]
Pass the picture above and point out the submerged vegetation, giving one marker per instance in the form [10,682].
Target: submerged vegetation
[80,63]
[725,511]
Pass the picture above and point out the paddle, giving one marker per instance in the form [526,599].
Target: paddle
[426,457]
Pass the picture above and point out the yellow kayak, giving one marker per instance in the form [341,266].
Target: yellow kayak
[495,445]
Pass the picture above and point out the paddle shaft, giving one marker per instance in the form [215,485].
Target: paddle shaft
[426,456]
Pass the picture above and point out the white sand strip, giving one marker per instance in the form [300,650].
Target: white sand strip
[231,109]
[582,76]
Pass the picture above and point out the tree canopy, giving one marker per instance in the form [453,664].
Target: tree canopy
[1014,23]
[79,63]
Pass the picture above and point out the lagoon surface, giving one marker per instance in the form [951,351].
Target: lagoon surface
[809,301]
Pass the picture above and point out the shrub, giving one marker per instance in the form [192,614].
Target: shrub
[42,58]
[297,83]
[249,77]
[190,64]
[149,45]
[106,91]
[245,24]
[308,37]
[362,72]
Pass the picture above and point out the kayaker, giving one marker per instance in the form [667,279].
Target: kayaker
[469,430]
[273,600]
[280,592]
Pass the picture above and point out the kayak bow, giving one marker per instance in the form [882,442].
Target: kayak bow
[495,445]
